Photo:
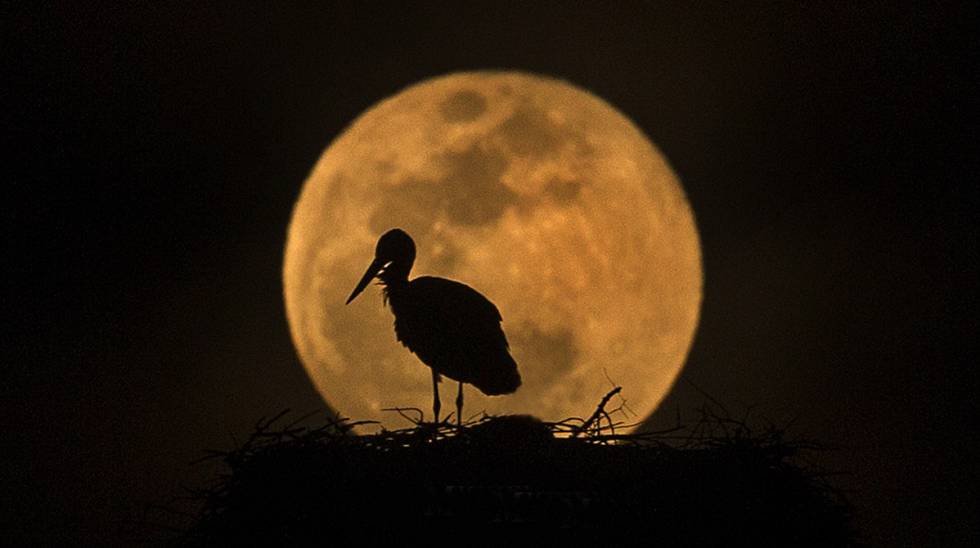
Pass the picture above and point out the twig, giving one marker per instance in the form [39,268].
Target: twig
[301,419]
[401,411]
[625,404]
[598,412]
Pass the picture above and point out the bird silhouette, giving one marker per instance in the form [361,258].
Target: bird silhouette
[450,326]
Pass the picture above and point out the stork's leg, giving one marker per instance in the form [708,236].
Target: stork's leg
[459,405]
[435,398]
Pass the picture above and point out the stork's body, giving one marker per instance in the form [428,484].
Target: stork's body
[450,326]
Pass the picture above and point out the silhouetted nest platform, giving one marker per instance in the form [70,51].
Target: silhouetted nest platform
[515,478]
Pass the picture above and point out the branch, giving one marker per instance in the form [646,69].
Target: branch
[598,412]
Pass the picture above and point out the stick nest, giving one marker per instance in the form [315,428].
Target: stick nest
[514,478]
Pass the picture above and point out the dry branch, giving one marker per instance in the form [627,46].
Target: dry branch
[600,410]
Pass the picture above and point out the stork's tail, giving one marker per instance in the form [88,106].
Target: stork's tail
[503,378]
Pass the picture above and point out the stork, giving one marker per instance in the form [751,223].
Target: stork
[450,326]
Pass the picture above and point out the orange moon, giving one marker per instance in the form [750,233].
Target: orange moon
[536,193]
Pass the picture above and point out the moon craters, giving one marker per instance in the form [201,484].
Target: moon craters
[563,192]
[463,106]
[471,194]
[552,353]
[479,198]
[529,132]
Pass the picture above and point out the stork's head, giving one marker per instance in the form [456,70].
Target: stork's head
[393,258]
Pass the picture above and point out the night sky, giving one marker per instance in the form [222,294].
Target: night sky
[156,155]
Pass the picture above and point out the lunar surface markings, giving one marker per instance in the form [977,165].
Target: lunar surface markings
[564,192]
[470,194]
[463,106]
[478,198]
[554,352]
[529,132]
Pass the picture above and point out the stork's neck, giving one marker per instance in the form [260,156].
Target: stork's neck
[394,285]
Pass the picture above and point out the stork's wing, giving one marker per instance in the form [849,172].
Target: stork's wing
[456,330]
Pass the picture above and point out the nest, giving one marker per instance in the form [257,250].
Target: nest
[513,478]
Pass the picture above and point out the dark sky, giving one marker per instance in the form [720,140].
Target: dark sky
[156,154]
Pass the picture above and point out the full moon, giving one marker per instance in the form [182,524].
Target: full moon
[536,193]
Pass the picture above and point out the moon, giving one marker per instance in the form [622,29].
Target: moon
[534,192]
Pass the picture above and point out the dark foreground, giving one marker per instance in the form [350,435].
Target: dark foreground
[514,479]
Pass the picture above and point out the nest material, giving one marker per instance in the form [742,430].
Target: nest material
[511,478]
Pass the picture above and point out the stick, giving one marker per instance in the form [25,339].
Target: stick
[598,412]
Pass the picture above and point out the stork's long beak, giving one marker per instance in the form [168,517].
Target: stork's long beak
[372,271]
